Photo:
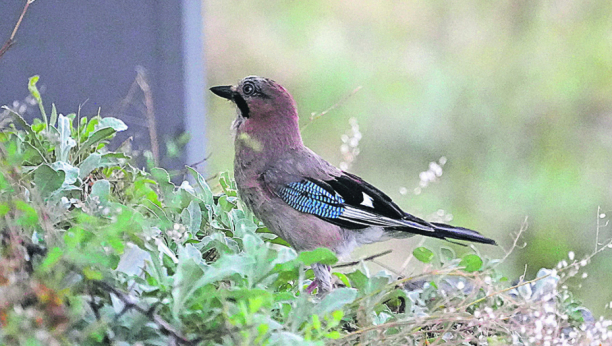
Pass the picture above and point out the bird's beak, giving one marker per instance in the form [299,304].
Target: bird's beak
[224,91]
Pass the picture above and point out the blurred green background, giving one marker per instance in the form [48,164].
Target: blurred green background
[517,95]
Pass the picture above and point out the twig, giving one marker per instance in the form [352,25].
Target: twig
[369,258]
[130,303]
[141,79]
[522,230]
[422,321]
[599,226]
[194,165]
[577,263]
[9,43]
[503,291]
[597,230]
[314,116]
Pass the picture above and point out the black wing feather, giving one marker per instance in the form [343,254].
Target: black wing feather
[352,188]
[379,210]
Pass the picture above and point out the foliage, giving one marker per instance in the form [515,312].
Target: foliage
[516,95]
[96,251]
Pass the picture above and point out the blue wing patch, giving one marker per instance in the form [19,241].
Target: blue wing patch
[308,197]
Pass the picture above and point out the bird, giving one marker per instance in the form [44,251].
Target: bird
[301,197]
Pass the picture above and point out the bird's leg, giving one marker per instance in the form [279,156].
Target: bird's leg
[323,279]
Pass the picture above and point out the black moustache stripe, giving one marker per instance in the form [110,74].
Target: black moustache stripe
[242,105]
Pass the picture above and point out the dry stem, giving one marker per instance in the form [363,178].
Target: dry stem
[9,43]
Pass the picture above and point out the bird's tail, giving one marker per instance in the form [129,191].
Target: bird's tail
[445,231]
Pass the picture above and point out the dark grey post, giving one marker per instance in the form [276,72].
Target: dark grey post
[86,52]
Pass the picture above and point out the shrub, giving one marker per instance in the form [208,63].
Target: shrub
[97,251]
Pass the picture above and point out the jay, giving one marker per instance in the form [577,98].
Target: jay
[301,197]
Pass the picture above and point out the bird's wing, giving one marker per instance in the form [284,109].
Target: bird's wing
[348,201]
[311,185]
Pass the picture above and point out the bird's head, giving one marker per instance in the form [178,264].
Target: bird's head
[259,98]
[266,111]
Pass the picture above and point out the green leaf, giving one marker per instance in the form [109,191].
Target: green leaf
[93,140]
[38,127]
[423,254]
[256,297]
[195,215]
[29,216]
[358,278]
[111,122]
[24,124]
[205,192]
[96,160]
[36,94]
[337,299]
[316,322]
[157,211]
[89,164]
[240,223]
[64,126]
[32,87]
[320,255]
[53,115]
[333,335]
[471,262]
[72,173]
[92,274]
[4,209]
[32,155]
[446,254]
[162,178]
[253,245]
[53,256]
[101,189]
[189,278]
[227,184]
[134,260]
[48,180]
[345,280]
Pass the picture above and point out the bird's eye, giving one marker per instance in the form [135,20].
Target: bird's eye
[248,89]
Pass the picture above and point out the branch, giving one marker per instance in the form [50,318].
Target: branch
[11,41]
[130,303]
[369,258]
[522,230]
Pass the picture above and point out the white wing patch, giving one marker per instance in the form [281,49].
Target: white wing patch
[367,201]
[370,219]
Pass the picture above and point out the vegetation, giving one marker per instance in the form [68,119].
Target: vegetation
[95,251]
[516,95]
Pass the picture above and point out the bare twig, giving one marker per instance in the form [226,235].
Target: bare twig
[503,291]
[422,321]
[597,230]
[369,258]
[314,115]
[194,165]
[9,43]
[600,215]
[141,79]
[522,230]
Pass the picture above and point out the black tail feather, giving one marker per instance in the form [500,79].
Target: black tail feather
[447,231]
